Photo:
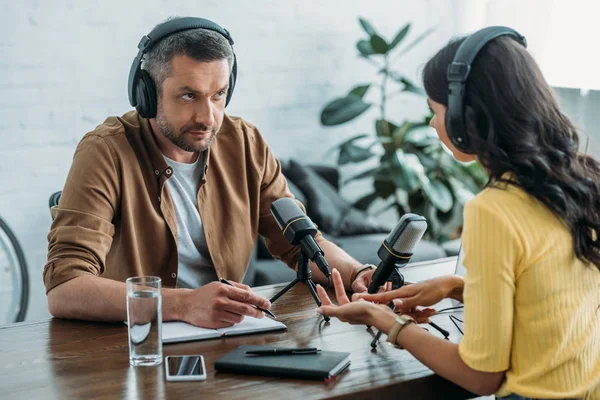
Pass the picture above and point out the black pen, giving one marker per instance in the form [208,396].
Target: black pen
[283,351]
[269,313]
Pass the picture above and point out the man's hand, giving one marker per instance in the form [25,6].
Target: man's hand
[362,281]
[216,305]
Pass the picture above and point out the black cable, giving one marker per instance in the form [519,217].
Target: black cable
[449,309]
[453,318]
[440,330]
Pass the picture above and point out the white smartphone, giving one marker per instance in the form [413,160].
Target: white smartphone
[185,368]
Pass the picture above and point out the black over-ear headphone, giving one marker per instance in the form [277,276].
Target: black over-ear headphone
[458,72]
[141,88]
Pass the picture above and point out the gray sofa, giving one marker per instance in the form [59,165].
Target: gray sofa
[317,188]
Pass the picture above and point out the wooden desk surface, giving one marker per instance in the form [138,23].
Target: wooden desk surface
[62,359]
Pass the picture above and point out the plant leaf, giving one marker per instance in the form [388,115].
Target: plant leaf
[409,86]
[461,193]
[364,47]
[420,137]
[360,90]
[378,44]
[384,128]
[384,186]
[352,153]
[402,130]
[408,171]
[439,194]
[416,41]
[367,26]
[365,174]
[399,36]
[343,110]
[352,139]
[364,202]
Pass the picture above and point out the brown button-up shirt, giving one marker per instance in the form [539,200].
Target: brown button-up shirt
[116,218]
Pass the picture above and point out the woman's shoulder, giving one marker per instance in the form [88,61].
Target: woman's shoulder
[501,195]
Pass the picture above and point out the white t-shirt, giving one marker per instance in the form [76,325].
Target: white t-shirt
[195,267]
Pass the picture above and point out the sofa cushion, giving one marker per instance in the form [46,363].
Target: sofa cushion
[330,211]
[296,192]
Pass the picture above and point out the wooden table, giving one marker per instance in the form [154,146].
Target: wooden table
[62,359]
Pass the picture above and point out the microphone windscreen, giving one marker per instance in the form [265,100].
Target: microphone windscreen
[407,234]
[285,210]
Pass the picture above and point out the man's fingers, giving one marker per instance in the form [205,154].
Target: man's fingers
[340,291]
[323,296]
[241,286]
[236,307]
[228,318]
[244,296]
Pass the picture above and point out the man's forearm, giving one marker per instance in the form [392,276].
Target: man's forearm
[338,259]
[99,299]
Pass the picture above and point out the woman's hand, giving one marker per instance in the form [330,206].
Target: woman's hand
[360,312]
[425,293]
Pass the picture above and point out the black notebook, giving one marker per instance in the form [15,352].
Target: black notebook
[323,365]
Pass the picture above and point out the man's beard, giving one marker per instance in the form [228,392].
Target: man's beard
[168,131]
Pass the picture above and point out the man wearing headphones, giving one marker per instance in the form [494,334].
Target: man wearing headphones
[175,189]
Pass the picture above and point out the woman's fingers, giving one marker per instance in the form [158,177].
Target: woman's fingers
[325,300]
[340,291]
[386,297]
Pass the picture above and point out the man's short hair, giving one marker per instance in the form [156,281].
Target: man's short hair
[199,44]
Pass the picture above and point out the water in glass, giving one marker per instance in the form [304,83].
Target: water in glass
[144,314]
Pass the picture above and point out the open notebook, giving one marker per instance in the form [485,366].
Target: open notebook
[173,332]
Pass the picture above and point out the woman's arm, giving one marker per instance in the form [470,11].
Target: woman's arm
[440,355]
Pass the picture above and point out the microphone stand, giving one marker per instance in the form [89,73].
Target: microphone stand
[304,275]
[397,280]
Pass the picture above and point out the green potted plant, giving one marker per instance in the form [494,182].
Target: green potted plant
[414,173]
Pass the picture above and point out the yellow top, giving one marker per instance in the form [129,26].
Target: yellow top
[532,308]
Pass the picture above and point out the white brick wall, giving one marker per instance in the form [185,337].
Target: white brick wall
[64,66]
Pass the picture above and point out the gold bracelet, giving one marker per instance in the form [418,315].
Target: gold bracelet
[367,267]
[399,324]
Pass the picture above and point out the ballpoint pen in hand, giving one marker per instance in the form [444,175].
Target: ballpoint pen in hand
[269,313]
[283,351]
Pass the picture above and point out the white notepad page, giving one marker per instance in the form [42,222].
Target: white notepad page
[173,332]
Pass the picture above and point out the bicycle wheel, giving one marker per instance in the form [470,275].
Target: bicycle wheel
[14,280]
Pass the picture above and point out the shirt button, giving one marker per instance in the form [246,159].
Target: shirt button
[173,275]
[156,172]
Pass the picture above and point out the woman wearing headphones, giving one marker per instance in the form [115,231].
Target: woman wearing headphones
[532,288]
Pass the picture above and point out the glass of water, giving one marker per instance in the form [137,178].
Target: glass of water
[144,320]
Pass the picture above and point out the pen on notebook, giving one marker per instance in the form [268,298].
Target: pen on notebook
[269,313]
[284,351]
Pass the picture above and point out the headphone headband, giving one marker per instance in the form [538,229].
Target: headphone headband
[141,89]
[458,73]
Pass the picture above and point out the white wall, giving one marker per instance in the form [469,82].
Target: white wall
[64,65]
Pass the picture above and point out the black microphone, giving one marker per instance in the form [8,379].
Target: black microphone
[298,229]
[397,248]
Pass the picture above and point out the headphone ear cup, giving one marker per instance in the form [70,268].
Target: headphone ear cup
[458,139]
[145,93]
